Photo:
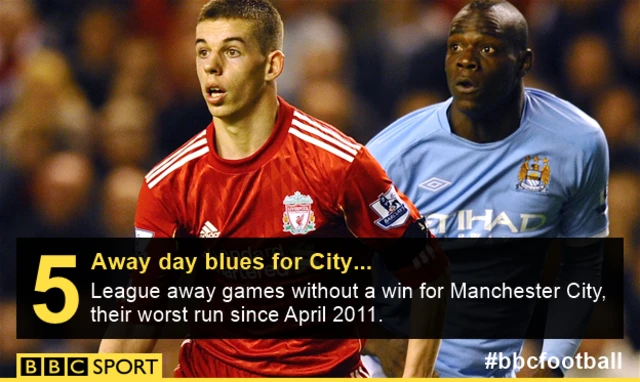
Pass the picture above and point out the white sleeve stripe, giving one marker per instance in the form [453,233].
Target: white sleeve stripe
[179,164]
[195,141]
[336,134]
[321,144]
[320,134]
[364,372]
[184,152]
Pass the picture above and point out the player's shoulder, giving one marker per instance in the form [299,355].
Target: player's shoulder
[190,152]
[562,120]
[407,131]
[319,141]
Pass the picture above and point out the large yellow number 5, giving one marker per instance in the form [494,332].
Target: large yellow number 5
[44,282]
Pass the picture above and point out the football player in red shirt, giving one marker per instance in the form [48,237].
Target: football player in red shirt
[263,168]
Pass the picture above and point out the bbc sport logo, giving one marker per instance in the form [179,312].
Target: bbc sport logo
[137,366]
[54,366]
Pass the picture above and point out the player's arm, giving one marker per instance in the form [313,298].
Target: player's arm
[411,253]
[416,357]
[135,345]
[567,316]
[152,220]
[585,215]
[426,320]
[422,353]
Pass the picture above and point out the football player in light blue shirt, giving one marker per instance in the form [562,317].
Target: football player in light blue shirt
[499,160]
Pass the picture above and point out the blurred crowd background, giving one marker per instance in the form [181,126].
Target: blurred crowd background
[93,93]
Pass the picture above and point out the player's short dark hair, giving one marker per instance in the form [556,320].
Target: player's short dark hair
[519,31]
[267,21]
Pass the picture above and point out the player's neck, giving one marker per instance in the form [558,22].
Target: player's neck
[242,136]
[491,126]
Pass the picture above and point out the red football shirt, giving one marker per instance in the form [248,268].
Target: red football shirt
[307,179]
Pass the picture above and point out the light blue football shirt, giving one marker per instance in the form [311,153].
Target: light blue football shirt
[547,179]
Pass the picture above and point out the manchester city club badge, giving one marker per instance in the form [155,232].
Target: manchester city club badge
[534,175]
[298,217]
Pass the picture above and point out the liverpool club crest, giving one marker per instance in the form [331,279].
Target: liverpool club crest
[534,175]
[298,217]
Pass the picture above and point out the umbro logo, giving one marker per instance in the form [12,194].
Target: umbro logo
[434,184]
[209,231]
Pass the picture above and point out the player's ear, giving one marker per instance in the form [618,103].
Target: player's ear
[275,65]
[525,62]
